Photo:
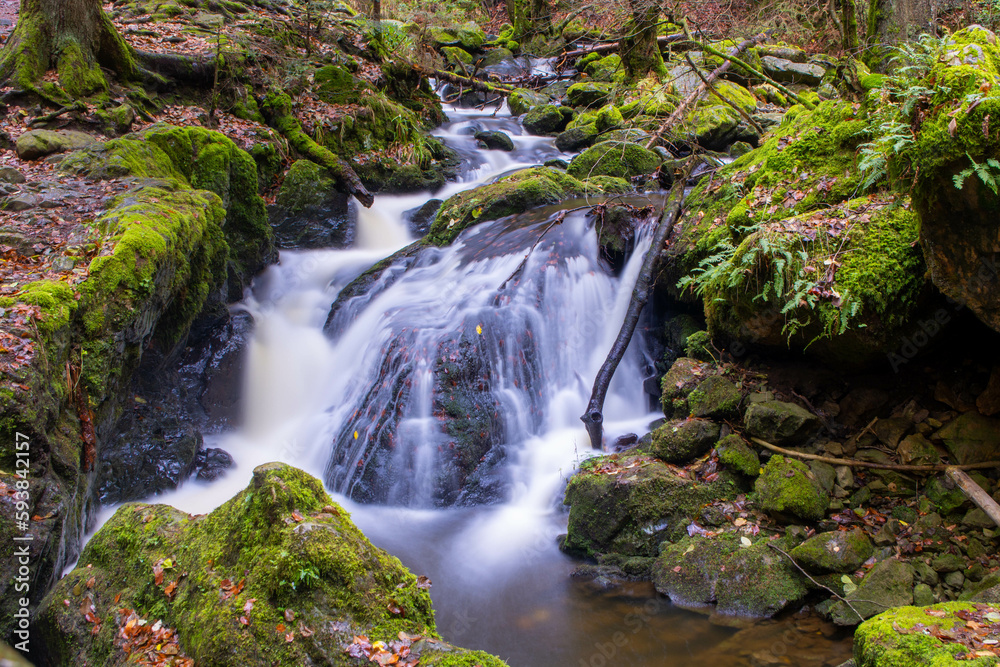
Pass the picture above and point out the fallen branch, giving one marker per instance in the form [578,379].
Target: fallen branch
[593,418]
[760,75]
[830,590]
[711,88]
[277,109]
[855,463]
[475,84]
[706,82]
[614,46]
[975,493]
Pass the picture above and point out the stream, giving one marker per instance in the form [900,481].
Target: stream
[527,308]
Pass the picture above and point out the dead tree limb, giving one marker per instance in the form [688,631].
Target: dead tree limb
[711,88]
[593,418]
[277,109]
[856,463]
[700,90]
[475,84]
[975,493]
[760,75]
[614,46]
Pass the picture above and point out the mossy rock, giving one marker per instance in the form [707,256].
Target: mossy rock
[457,57]
[546,119]
[740,579]
[628,505]
[608,118]
[591,94]
[279,550]
[899,637]
[736,455]
[606,69]
[576,138]
[787,487]
[495,140]
[608,185]
[780,423]
[888,584]
[513,194]
[987,590]
[835,551]
[682,440]
[335,84]
[35,144]
[677,383]
[309,212]
[613,158]
[522,100]
[715,398]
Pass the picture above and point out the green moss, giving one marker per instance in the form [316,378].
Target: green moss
[787,487]
[294,552]
[613,158]
[683,440]
[734,453]
[895,639]
[514,194]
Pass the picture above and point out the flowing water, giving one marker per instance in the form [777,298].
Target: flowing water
[360,398]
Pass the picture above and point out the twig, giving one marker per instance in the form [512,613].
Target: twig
[809,577]
[939,467]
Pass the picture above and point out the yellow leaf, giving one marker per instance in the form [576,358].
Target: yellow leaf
[355,435]
[479,329]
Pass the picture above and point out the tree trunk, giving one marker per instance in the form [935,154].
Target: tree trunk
[529,17]
[893,21]
[73,37]
[640,50]
[850,26]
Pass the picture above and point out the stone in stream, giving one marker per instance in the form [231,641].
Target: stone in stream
[546,119]
[741,577]
[309,211]
[588,94]
[495,140]
[522,100]
[279,573]
[419,219]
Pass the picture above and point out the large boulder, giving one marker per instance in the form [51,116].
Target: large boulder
[741,577]
[276,574]
[628,505]
[787,71]
[614,158]
[522,100]
[589,94]
[921,637]
[680,441]
[546,119]
[835,551]
[38,143]
[715,398]
[780,423]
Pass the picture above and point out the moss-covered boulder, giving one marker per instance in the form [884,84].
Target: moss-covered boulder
[780,423]
[614,158]
[513,194]
[589,94]
[888,584]
[627,505]
[788,487]
[309,211]
[198,158]
[575,138]
[682,440]
[546,119]
[278,574]
[607,69]
[763,245]
[523,100]
[918,637]
[677,383]
[495,140]
[835,551]
[735,454]
[715,398]
[740,576]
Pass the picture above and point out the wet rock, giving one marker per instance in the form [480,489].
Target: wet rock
[588,94]
[212,463]
[945,563]
[715,398]
[419,220]
[575,138]
[786,71]
[495,140]
[546,119]
[888,584]
[309,211]
[611,158]
[835,551]
[787,486]
[608,118]
[38,143]
[780,423]
[971,438]
[241,561]
[754,581]
[735,454]
[681,441]
[522,100]
[628,505]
